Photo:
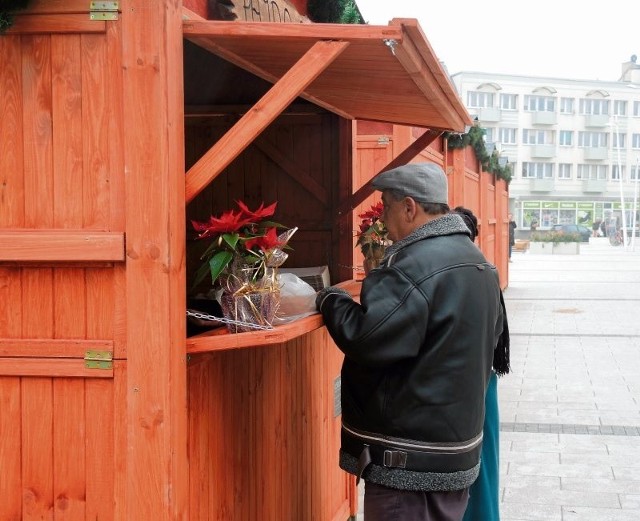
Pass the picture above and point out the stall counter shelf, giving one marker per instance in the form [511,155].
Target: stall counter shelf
[220,339]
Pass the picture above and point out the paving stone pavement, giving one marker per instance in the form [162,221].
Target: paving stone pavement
[570,409]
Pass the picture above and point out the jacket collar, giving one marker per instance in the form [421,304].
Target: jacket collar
[448,224]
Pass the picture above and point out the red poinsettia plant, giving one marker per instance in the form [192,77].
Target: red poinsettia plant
[372,235]
[241,239]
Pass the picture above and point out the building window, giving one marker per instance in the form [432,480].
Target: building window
[509,101]
[636,108]
[537,170]
[619,108]
[564,171]
[594,107]
[539,104]
[566,138]
[593,172]
[635,173]
[507,136]
[616,170]
[593,139]
[618,139]
[479,100]
[488,135]
[532,136]
[635,141]
[566,105]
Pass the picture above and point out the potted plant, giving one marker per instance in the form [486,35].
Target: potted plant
[244,252]
[372,237]
[558,243]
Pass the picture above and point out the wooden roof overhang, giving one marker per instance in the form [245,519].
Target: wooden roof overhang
[378,73]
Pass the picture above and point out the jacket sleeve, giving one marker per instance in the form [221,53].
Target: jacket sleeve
[387,326]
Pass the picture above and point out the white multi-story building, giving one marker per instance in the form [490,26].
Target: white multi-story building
[574,145]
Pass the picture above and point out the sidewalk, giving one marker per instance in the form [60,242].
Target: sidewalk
[570,409]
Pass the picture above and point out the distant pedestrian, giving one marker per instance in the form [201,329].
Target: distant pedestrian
[512,234]
[595,227]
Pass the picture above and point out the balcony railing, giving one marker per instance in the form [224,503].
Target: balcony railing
[489,114]
[596,153]
[541,185]
[544,151]
[594,185]
[544,118]
[596,120]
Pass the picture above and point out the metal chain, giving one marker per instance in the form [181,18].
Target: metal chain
[204,316]
[353,268]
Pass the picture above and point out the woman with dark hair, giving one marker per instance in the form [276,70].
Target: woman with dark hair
[484,502]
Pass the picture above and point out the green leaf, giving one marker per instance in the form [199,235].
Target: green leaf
[231,239]
[219,262]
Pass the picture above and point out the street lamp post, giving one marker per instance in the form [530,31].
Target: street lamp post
[624,213]
[635,207]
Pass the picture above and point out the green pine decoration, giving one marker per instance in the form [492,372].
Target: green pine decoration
[475,139]
[334,11]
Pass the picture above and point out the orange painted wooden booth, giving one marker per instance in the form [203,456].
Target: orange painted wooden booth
[107,410]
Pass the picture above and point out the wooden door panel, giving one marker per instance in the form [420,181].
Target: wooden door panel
[57,447]
[62,272]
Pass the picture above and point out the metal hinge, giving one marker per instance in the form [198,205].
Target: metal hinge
[98,360]
[103,11]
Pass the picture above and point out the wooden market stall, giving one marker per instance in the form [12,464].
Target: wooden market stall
[107,409]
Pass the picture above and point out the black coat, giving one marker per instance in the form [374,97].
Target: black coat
[419,350]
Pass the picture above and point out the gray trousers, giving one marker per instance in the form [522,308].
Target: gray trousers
[389,504]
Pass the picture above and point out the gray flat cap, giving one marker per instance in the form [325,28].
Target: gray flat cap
[424,182]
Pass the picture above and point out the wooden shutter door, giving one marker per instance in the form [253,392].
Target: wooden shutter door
[61,266]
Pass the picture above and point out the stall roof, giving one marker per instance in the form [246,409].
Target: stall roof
[379,73]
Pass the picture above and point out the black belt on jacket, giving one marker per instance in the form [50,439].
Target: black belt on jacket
[390,452]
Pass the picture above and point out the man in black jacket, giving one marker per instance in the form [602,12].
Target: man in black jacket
[418,353]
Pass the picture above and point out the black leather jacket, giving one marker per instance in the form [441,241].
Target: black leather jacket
[418,351]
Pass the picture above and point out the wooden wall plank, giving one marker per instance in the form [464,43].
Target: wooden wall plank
[51,24]
[69,438]
[156,470]
[62,347]
[37,449]
[38,179]
[10,302]
[67,140]
[58,368]
[97,112]
[37,303]
[11,482]
[11,144]
[112,142]
[69,316]
[100,447]
[61,245]
[58,6]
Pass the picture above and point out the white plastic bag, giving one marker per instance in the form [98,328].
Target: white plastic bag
[297,299]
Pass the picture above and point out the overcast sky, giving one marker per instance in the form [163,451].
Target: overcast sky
[551,38]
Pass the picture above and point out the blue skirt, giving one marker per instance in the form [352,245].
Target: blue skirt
[484,493]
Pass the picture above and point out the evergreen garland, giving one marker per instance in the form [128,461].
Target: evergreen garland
[334,11]
[475,139]
[7,7]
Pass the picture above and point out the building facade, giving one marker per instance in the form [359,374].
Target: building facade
[574,145]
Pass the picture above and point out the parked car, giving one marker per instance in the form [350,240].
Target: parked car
[584,232]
